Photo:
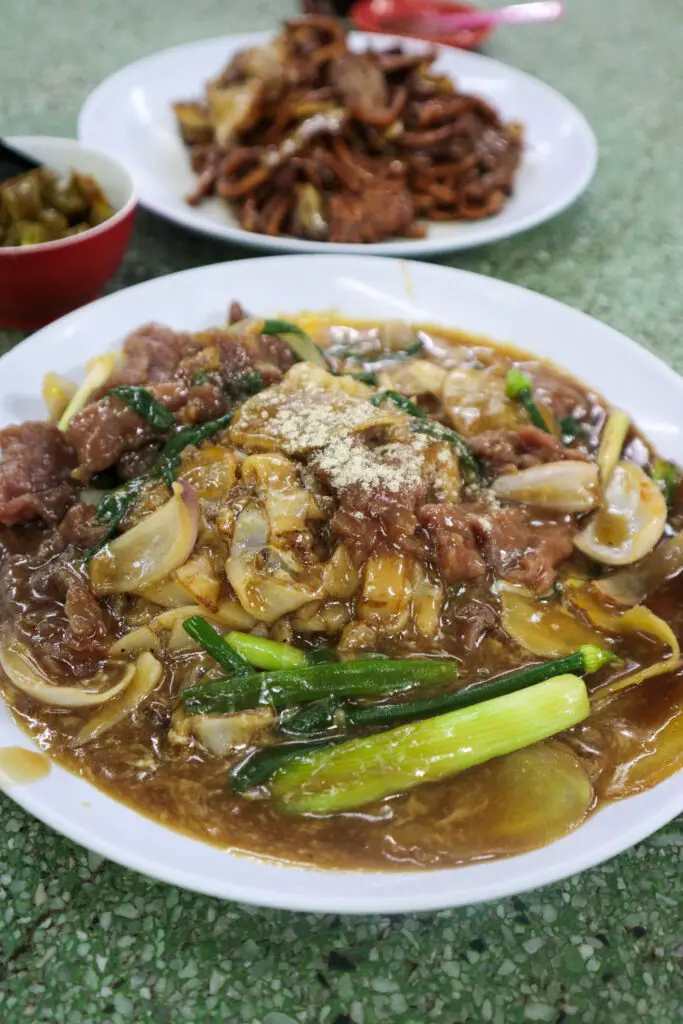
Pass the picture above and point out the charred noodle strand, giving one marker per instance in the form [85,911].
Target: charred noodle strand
[145,405]
[360,771]
[213,643]
[297,686]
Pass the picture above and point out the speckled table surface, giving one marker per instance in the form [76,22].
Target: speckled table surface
[85,942]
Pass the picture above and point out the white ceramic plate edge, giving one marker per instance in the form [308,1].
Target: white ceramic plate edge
[490,230]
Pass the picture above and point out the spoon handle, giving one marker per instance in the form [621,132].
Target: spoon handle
[12,162]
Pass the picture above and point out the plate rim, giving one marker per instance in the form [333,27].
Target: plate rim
[490,233]
[271,895]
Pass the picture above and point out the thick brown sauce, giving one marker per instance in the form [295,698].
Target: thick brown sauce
[505,807]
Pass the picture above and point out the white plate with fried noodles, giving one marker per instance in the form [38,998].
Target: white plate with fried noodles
[129,116]
[370,289]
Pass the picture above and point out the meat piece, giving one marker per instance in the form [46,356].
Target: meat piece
[523,448]
[153,353]
[474,620]
[382,210]
[523,550]
[132,464]
[455,536]
[104,430]
[65,623]
[236,312]
[367,516]
[564,398]
[205,402]
[80,526]
[241,353]
[87,628]
[508,541]
[359,80]
[35,473]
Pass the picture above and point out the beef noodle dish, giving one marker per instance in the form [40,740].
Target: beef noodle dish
[350,595]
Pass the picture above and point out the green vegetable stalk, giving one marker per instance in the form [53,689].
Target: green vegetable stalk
[301,344]
[587,659]
[355,773]
[518,385]
[264,653]
[263,764]
[212,642]
[287,687]
[665,475]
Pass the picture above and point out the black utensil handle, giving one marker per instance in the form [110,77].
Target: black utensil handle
[12,162]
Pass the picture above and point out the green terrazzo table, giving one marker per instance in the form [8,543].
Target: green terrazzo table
[85,942]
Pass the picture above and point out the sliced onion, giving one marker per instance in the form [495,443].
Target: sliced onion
[57,392]
[565,486]
[22,670]
[546,628]
[221,734]
[99,372]
[270,593]
[169,594]
[629,587]
[147,675]
[152,550]
[475,400]
[140,639]
[200,581]
[630,521]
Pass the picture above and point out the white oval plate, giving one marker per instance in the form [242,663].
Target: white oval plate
[364,288]
[129,116]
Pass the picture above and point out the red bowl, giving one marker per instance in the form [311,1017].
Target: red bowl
[371,16]
[39,283]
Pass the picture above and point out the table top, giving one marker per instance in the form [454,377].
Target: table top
[86,942]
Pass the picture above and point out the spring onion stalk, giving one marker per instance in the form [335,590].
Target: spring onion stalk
[299,685]
[611,443]
[401,401]
[666,477]
[141,401]
[430,427]
[587,659]
[312,718]
[570,429]
[211,640]
[301,344]
[167,464]
[321,656]
[441,433]
[112,509]
[263,764]
[357,772]
[263,653]
[518,385]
